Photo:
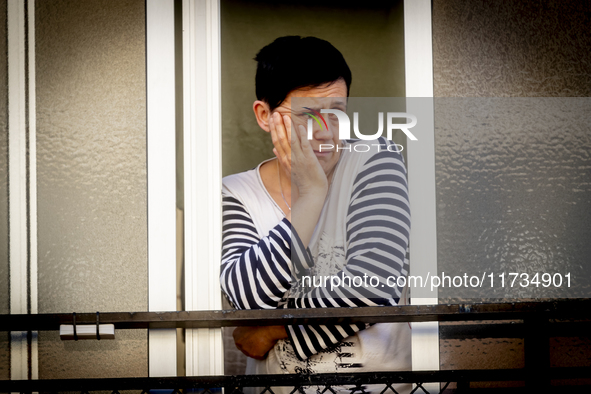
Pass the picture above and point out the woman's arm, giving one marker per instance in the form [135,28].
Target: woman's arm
[378,230]
[256,271]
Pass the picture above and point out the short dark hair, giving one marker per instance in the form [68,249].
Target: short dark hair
[293,62]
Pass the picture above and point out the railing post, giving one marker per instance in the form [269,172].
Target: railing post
[537,353]
[463,386]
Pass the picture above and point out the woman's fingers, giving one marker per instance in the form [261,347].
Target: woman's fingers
[307,149]
[283,143]
[279,136]
[278,149]
[303,154]
[287,123]
[301,147]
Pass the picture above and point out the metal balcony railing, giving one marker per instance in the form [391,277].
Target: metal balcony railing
[536,322]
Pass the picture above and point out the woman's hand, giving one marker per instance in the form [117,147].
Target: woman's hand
[281,137]
[309,182]
[256,342]
[297,157]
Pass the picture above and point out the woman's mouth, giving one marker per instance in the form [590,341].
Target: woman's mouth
[324,153]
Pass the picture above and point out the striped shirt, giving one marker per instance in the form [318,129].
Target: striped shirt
[363,232]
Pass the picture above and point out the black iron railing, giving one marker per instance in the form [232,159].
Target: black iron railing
[536,322]
[549,310]
[355,382]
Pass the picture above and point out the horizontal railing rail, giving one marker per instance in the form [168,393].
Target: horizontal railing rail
[351,380]
[556,309]
[536,322]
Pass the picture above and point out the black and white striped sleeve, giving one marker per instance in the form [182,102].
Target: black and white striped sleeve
[256,271]
[378,230]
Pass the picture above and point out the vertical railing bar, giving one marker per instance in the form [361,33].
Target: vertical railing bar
[536,349]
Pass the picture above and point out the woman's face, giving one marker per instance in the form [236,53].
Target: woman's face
[301,102]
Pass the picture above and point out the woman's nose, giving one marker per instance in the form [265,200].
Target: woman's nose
[322,133]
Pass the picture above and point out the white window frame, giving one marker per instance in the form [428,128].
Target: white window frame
[22,211]
[202,179]
[202,182]
[161,168]
[418,55]
[202,126]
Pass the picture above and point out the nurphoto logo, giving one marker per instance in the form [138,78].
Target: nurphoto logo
[345,126]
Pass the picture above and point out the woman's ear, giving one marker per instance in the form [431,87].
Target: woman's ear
[262,112]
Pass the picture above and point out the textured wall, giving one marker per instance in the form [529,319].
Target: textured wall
[91,144]
[4,356]
[368,34]
[514,192]
[526,192]
[525,48]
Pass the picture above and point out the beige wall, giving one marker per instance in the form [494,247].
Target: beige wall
[513,48]
[91,145]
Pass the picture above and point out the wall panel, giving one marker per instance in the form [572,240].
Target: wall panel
[507,183]
[523,48]
[91,144]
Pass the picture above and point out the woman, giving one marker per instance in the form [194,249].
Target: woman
[311,212]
